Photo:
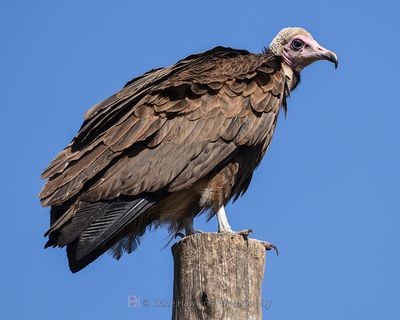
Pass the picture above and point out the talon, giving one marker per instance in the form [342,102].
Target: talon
[198,231]
[269,246]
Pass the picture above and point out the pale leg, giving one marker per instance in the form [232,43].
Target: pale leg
[188,226]
[223,224]
[224,227]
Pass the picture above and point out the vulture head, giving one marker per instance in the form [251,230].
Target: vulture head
[299,49]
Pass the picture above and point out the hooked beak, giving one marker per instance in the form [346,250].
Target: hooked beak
[330,56]
[321,53]
[325,54]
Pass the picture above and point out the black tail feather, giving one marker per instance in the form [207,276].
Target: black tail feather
[83,218]
[92,238]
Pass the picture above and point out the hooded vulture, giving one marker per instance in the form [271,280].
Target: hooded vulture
[173,143]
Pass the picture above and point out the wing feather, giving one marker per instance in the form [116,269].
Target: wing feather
[169,127]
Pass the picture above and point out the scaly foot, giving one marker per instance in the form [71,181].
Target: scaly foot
[245,233]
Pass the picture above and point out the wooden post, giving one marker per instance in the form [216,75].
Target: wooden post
[218,276]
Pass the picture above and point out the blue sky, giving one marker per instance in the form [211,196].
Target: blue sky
[327,193]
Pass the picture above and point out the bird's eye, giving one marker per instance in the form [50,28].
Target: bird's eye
[297,44]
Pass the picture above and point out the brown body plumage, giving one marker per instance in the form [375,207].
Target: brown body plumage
[172,143]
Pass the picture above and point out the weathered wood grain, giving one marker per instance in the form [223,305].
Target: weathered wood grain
[218,276]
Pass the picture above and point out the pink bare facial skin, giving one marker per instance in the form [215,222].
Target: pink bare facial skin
[302,50]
